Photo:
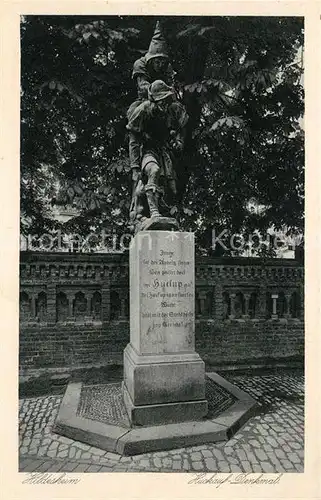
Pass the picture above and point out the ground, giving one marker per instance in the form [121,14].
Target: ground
[271,441]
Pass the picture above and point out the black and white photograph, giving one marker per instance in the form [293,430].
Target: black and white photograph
[162,238]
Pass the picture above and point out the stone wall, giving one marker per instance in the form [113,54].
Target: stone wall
[74,310]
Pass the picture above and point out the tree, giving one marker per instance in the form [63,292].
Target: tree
[241,81]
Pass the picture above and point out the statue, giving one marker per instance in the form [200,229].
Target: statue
[156,125]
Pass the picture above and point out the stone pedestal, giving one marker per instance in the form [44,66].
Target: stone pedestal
[164,378]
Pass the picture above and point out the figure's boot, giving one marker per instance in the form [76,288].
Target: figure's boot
[152,198]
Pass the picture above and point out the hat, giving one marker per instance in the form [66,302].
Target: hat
[158,45]
[158,91]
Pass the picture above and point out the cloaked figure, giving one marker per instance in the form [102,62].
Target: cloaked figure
[159,124]
[154,65]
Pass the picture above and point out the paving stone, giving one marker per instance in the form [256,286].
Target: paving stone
[42,451]
[167,462]
[56,467]
[97,451]
[223,466]
[197,465]
[24,450]
[267,467]
[53,445]
[261,455]
[157,462]
[241,454]
[196,456]
[69,466]
[81,467]
[177,451]
[65,440]
[235,468]
[86,455]
[144,463]
[207,453]
[161,453]
[78,454]
[81,446]
[275,461]
[218,454]
[63,447]
[294,458]
[286,464]
[105,468]
[294,446]
[210,464]
[52,453]
[186,465]
[196,448]
[299,467]
[228,450]
[33,451]
[63,454]
[112,456]
[255,443]
[72,452]
[280,453]
[177,465]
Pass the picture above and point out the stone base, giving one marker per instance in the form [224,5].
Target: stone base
[157,223]
[135,440]
[163,378]
[165,413]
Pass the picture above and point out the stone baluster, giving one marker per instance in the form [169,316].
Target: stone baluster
[202,299]
[261,301]
[70,297]
[274,297]
[51,303]
[122,306]
[232,298]
[218,302]
[33,306]
[88,308]
[287,313]
[247,297]
[105,302]
[301,302]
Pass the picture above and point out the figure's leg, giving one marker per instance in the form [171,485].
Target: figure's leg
[134,151]
[152,171]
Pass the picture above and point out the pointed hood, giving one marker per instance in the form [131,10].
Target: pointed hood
[158,45]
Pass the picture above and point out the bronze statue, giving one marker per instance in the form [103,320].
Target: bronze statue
[156,125]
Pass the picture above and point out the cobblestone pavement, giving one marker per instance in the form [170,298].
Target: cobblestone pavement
[272,441]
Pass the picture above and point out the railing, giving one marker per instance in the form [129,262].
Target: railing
[58,288]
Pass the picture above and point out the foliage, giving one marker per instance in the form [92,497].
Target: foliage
[241,81]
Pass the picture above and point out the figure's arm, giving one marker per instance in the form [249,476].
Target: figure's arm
[142,86]
[178,133]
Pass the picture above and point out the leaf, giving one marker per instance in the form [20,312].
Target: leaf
[119,167]
[52,85]
[173,210]
[78,190]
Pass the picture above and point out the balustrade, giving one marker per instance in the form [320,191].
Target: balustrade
[91,288]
